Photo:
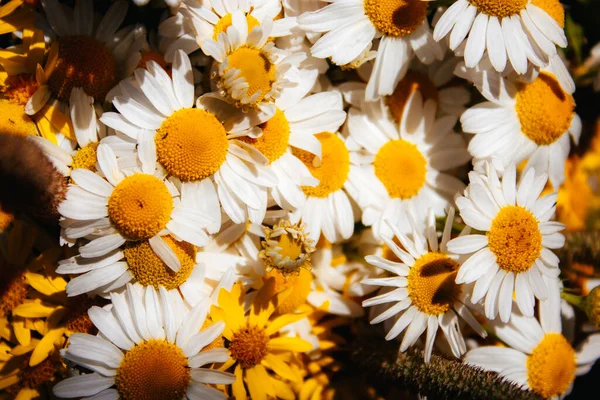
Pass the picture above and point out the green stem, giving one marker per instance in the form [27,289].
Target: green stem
[574,300]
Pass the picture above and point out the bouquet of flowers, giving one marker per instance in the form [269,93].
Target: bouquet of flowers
[298,199]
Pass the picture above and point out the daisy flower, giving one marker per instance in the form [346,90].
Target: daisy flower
[351,25]
[87,132]
[197,147]
[518,32]
[18,83]
[195,21]
[249,70]
[86,53]
[521,120]
[141,327]
[425,295]
[399,167]
[116,209]
[513,251]
[538,355]
[255,343]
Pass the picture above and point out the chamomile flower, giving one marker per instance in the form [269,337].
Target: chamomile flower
[141,327]
[85,54]
[351,25]
[399,166]
[117,209]
[518,32]
[514,253]
[197,147]
[87,132]
[425,295]
[249,70]
[539,355]
[521,120]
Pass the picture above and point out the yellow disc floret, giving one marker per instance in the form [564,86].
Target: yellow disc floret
[248,345]
[431,285]
[140,206]
[86,157]
[544,109]
[226,21]
[332,171]
[153,370]
[287,248]
[515,239]
[20,88]
[149,270]
[553,8]
[14,121]
[300,284]
[401,167]
[412,82]
[396,17]
[499,8]
[274,139]
[191,144]
[38,375]
[82,62]
[551,366]
[256,70]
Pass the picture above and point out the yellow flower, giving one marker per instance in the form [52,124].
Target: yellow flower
[258,350]
[574,196]
[15,15]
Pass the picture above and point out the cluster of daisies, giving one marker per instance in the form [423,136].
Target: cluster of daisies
[249,179]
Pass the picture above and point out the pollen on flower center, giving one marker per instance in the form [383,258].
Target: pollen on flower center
[149,270]
[77,318]
[226,21]
[14,121]
[401,167]
[515,239]
[153,370]
[248,345]
[287,248]
[257,73]
[396,17]
[191,144]
[20,88]
[412,82]
[431,283]
[13,288]
[544,109]
[140,206]
[274,140]
[332,172]
[86,157]
[551,366]
[300,284]
[82,62]
[499,8]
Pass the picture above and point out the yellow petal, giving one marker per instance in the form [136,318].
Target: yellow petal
[21,332]
[46,129]
[60,121]
[8,381]
[9,7]
[281,321]
[21,18]
[264,303]
[45,346]
[37,48]
[280,368]
[41,283]
[237,387]
[257,385]
[289,344]
[27,394]
[308,388]
[19,350]
[52,59]
[34,309]
[232,305]
[283,390]
[227,364]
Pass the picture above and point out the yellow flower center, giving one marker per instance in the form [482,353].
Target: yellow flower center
[13,287]
[225,22]
[248,346]
[401,167]
[149,270]
[274,140]
[20,88]
[36,376]
[500,8]
[300,284]
[553,8]
[191,144]
[86,157]
[153,370]
[431,285]
[287,248]
[551,366]
[82,62]
[544,109]
[14,121]
[256,70]
[140,206]
[515,239]
[412,82]
[332,171]
[77,318]
[396,17]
